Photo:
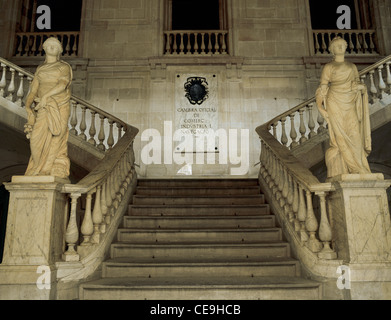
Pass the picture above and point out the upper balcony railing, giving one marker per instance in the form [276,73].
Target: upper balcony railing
[359,41]
[30,43]
[190,42]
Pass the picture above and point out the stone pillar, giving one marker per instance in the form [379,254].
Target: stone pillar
[34,237]
[360,221]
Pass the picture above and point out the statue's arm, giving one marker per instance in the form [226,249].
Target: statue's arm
[62,83]
[322,90]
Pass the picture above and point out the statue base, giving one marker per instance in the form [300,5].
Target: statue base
[34,238]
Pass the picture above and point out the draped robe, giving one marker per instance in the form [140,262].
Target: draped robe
[348,119]
[49,137]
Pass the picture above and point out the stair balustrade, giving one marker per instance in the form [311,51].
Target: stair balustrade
[187,42]
[291,188]
[31,43]
[98,201]
[14,85]
[305,122]
[359,41]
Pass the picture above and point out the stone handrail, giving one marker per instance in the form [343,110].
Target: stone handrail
[30,43]
[290,186]
[190,42]
[359,41]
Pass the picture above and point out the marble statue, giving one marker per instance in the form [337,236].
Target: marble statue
[343,101]
[47,123]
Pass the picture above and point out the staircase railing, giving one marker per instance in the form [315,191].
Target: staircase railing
[291,188]
[100,199]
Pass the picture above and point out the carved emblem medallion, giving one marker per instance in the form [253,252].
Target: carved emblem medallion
[196,90]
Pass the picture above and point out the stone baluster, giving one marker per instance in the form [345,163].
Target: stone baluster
[87,227]
[289,199]
[323,45]
[358,44]
[188,47]
[26,47]
[181,43]
[293,133]
[108,201]
[388,76]
[103,206]
[20,92]
[83,124]
[351,45]
[72,232]
[275,130]
[11,87]
[209,42]
[73,121]
[295,206]
[317,46]
[97,216]
[92,131]
[74,46]
[263,160]
[285,187]
[280,179]
[196,47]
[175,46]
[373,89]
[224,45]
[119,131]
[325,234]
[311,122]
[168,43]
[19,50]
[217,43]
[284,137]
[371,43]
[382,84]
[302,128]
[68,46]
[365,45]
[110,139]
[312,225]
[302,216]
[101,135]
[3,81]
[202,42]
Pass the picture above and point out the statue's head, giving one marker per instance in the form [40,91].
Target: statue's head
[53,42]
[335,41]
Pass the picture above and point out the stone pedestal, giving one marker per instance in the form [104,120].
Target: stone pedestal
[34,237]
[360,222]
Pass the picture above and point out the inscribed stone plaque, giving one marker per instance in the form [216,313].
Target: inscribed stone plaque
[196,111]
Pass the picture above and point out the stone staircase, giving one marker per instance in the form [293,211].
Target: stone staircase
[200,239]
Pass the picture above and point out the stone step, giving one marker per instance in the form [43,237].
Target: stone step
[198,191]
[127,267]
[195,252]
[200,222]
[202,210]
[199,236]
[203,200]
[216,288]
[203,183]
